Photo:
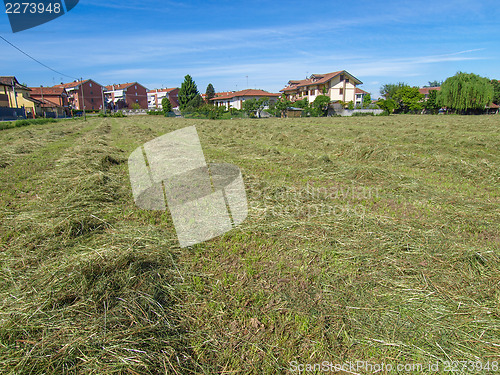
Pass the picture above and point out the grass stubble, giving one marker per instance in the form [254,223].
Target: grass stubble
[368,239]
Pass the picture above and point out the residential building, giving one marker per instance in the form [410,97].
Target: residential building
[15,95]
[425,91]
[126,95]
[53,101]
[217,94]
[339,86]
[236,99]
[360,95]
[86,94]
[156,96]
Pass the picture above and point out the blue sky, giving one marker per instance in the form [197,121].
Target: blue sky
[157,43]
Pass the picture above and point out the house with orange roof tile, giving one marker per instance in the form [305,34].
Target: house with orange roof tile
[339,86]
[236,99]
[86,94]
[224,93]
[425,91]
[125,95]
[156,96]
[53,101]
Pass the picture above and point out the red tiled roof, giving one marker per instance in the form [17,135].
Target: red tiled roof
[7,81]
[71,84]
[493,105]
[316,79]
[248,92]
[426,90]
[122,86]
[48,91]
[359,91]
[74,84]
[161,90]
[218,94]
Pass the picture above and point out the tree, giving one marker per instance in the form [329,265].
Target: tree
[253,106]
[466,93]
[431,103]
[388,105]
[281,106]
[408,99]
[196,102]
[367,100]
[496,91]
[389,90]
[434,83]
[321,104]
[187,92]
[303,103]
[166,106]
[210,93]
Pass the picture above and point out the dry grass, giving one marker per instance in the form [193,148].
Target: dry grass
[368,239]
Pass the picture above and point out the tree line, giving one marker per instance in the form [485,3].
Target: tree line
[464,93]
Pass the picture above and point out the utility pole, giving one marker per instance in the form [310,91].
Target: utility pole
[83,101]
[14,91]
[41,90]
[103,105]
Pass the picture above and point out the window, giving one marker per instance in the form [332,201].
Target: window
[341,91]
[347,80]
[92,101]
[136,87]
[90,84]
[91,93]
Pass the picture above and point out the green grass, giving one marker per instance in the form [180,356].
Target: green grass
[368,239]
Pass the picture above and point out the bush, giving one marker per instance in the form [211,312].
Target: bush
[155,113]
[118,114]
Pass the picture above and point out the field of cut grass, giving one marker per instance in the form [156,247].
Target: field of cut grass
[370,239]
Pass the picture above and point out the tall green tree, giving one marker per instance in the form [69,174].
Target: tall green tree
[166,106]
[466,92]
[209,93]
[387,105]
[367,100]
[390,89]
[321,104]
[431,104]
[187,92]
[408,99]
[496,91]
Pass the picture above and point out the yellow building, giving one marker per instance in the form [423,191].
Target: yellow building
[15,95]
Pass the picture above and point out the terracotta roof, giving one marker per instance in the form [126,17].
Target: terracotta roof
[359,91]
[71,84]
[7,81]
[122,86]
[74,84]
[248,92]
[493,105]
[161,90]
[316,79]
[425,90]
[48,91]
[217,94]
[47,103]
